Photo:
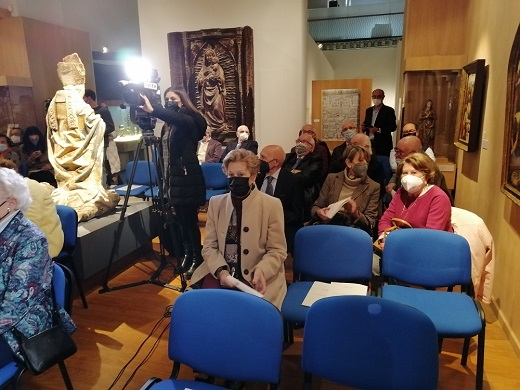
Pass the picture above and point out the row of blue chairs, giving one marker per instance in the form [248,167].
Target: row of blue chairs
[144,183]
[390,341]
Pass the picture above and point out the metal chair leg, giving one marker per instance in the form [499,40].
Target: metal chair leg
[65,375]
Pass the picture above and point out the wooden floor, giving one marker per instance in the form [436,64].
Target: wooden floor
[116,323]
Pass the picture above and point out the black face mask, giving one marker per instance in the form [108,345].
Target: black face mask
[170,105]
[264,167]
[239,186]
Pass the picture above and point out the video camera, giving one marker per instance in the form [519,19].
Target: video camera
[131,94]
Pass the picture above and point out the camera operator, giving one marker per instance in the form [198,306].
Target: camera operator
[183,180]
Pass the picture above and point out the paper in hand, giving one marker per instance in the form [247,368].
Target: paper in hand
[335,207]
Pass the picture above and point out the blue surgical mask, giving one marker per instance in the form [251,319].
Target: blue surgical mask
[35,141]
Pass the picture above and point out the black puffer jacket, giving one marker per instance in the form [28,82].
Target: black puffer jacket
[186,182]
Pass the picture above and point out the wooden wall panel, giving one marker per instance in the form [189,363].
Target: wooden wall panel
[365,87]
[434,34]
[47,44]
[13,58]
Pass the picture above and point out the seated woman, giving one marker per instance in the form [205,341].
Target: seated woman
[244,234]
[418,202]
[34,155]
[25,267]
[7,152]
[353,182]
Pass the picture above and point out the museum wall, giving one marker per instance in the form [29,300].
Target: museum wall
[318,68]
[382,65]
[491,30]
[279,34]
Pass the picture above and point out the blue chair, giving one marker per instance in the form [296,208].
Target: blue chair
[434,259]
[12,372]
[69,224]
[225,334]
[326,253]
[215,179]
[369,343]
[145,177]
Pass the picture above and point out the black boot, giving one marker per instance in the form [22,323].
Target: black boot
[187,261]
[196,261]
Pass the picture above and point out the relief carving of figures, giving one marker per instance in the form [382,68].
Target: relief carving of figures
[426,125]
[75,137]
[211,86]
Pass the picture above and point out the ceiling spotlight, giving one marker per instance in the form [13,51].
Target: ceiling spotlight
[105,49]
[320,46]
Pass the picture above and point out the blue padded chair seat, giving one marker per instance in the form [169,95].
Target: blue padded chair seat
[152,192]
[138,189]
[292,309]
[183,385]
[8,372]
[453,314]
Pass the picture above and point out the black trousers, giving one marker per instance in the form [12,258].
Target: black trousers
[188,219]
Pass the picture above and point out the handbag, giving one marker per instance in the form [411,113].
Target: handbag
[47,348]
[397,223]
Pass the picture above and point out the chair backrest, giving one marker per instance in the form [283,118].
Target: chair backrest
[370,343]
[145,173]
[214,177]
[62,287]
[228,334]
[426,257]
[69,224]
[332,253]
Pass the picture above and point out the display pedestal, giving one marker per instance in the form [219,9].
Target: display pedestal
[96,237]
[449,170]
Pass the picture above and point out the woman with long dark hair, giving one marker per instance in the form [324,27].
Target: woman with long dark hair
[34,155]
[183,179]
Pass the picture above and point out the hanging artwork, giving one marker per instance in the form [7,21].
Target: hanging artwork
[338,106]
[511,155]
[471,98]
[215,67]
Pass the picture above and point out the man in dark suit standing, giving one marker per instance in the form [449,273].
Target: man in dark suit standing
[379,124]
[306,166]
[282,184]
[208,149]
[242,142]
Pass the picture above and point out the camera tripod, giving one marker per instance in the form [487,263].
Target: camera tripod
[163,216]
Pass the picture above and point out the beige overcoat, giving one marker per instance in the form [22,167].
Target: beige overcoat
[262,241]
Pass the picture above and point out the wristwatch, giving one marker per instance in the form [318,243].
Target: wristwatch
[219,270]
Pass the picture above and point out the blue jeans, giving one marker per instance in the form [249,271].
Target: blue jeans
[6,355]
[387,170]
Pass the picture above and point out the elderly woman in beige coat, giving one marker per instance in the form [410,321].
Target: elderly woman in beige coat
[353,183]
[244,234]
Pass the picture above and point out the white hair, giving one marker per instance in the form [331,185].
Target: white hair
[13,186]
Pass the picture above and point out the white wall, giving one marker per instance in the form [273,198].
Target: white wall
[318,68]
[279,36]
[382,65]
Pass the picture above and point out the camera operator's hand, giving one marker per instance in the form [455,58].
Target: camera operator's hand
[146,107]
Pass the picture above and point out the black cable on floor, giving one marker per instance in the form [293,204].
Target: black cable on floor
[167,314]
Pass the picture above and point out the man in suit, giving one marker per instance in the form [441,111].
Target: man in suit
[348,130]
[208,149]
[405,147]
[242,142]
[306,166]
[379,124]
[283,185]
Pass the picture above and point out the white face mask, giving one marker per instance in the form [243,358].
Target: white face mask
[411,183]
[243,137]
[3,148]
[16,139]
[377,102]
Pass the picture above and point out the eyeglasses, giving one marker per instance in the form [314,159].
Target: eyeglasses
[308,132]
[298,141]
[398,151]
[377,96]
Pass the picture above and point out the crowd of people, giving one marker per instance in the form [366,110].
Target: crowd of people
[250,230]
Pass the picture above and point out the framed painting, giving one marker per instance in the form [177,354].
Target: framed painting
[471,97]
[511,154]
[337,107]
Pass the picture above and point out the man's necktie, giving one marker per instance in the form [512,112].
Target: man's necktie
[269,190]
[298,160]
